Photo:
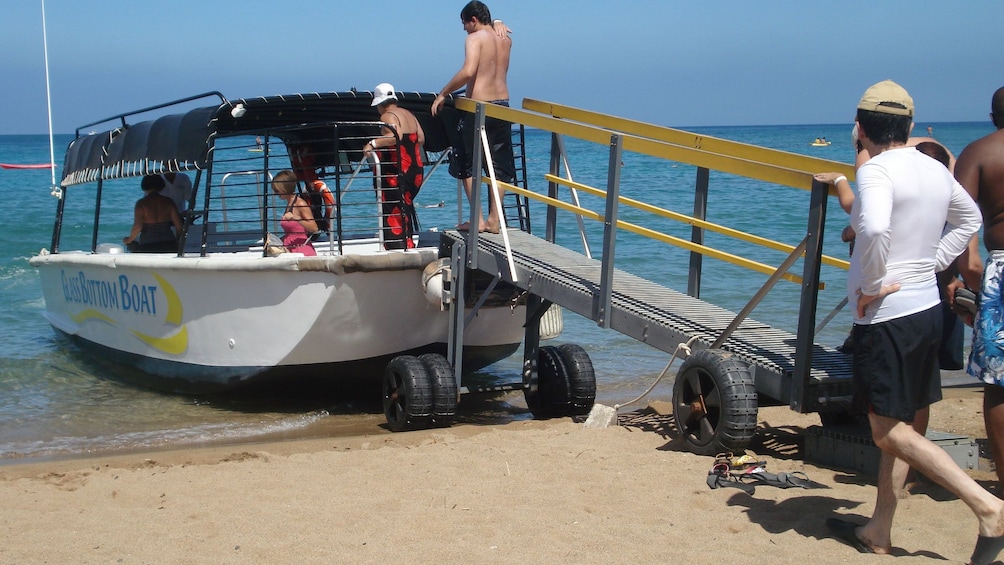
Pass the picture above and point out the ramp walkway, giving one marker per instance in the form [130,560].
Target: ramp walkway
[657,315]
[733,363]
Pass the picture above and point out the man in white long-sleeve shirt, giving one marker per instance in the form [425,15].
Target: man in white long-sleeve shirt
[905,199]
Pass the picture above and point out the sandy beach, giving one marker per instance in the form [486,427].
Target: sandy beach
[523,491]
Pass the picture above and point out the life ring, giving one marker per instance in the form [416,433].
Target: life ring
[327,198]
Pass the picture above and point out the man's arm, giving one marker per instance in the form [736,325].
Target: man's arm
[967,172]
[472,52]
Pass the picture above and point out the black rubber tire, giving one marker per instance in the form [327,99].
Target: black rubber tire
[715,403]
[549,396]
[407,394]
[444,388]
[581,378]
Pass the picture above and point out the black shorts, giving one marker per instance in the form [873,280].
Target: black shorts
[896,368]
[499,133]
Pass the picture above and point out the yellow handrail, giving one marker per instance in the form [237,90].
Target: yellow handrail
[717,228]
[760,163]
[652,234]
[689,139]
[765,171]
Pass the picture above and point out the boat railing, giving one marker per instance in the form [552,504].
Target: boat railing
[706,154]
[123,121]
[240,208]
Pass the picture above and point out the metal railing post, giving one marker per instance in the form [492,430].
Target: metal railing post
[810,294]
[601,308]
[552,189]
[697,233]
[475,200]
[457,282]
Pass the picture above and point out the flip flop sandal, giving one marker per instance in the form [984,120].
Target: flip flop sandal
[718,477]
[966,299]
[847,532]
[800,479]
[795,479]
[745,461]
[987,549]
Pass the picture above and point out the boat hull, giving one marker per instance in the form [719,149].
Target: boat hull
[216,323]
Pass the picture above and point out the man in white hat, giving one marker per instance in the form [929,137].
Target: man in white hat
[905,199]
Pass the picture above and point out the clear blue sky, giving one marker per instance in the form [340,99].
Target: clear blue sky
[677,63]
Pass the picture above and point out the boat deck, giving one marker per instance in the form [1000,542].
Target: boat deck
[659,316]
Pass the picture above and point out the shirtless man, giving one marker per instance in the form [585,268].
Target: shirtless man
[486,63]
[980,169]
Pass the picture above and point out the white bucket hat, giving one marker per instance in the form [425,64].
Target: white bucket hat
[382,93]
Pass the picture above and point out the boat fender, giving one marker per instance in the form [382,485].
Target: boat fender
[433,278]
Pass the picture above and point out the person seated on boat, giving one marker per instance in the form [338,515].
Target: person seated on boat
[153,217]
[403,170]
[297,220]
[319,196]
[177,187]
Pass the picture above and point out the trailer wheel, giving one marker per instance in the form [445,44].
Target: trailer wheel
[581,378]
[407,394]
[715,403]
[444,388]
[548,396]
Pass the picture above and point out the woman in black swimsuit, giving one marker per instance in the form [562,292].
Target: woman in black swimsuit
[153,217]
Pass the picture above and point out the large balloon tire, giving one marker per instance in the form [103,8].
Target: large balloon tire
[407,394]
[444,388]
[715,403]
[581,378]
[549,396]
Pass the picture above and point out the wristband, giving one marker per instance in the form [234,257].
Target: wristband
[838,179]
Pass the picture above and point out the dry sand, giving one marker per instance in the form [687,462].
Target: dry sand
[523,491]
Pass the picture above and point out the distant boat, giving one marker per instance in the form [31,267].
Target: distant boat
[20,166]
[819,142]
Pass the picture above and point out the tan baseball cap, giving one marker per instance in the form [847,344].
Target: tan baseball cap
[881,96]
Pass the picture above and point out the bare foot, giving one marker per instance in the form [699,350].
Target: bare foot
[490,228]
[464,226]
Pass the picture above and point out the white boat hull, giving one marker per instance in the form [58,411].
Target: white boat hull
[223,321]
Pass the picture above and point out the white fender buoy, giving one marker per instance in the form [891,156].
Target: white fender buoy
[432,281]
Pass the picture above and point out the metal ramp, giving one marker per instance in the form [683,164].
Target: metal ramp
[660,316]
[733,364]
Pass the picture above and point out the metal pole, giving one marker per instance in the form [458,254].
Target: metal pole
[804,339]
[697,233]
[601,308]
[552,189]
[475,217]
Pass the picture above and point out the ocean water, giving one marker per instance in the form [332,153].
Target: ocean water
[57,401]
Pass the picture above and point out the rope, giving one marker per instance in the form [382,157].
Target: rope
[685,347]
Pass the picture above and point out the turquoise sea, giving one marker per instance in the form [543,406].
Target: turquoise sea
[55,401]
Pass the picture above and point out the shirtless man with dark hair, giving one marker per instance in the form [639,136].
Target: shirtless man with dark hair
[980,169]
[486,63]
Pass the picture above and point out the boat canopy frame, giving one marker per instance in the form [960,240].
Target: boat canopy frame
[186,141]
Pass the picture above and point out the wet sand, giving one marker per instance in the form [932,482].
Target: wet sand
[490,489]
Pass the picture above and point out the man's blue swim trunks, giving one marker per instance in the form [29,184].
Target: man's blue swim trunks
[986,360]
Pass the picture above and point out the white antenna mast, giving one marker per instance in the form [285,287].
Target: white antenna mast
[48,103]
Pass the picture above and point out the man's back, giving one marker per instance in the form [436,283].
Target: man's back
[980,168]
[492,52]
